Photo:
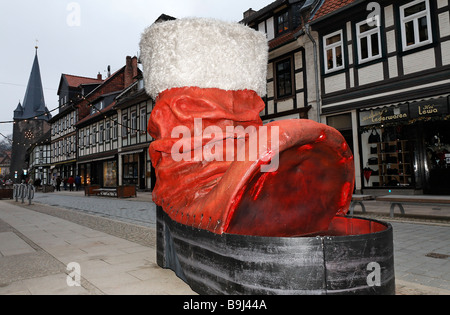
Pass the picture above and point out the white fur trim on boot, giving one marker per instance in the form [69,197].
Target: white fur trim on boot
[204,53]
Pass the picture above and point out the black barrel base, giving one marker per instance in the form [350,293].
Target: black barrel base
[252,265]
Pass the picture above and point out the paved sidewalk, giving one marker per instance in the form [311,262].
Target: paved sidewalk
[37,248]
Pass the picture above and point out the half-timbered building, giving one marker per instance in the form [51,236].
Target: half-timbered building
[98,128]
[385,84]
[63,132]
[134,107]
[288,95]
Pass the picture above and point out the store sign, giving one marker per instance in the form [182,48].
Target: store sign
[384,115]
[434,107]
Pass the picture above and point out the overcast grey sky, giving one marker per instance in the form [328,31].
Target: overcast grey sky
[83,37]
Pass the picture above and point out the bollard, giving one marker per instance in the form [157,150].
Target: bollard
[30,193]
[23,191]
[16,191]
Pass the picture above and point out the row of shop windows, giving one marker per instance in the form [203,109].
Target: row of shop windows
[135,170]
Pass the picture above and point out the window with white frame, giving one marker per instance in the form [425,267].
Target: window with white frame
[81,141]
[124,125]
[415,23]
[143,120]
[133,122]
[94,135]
[369,41]
[108,131]
[333,51]
[283,22]
[88,136]
[115,129]
[101,134]
[74,145]
[284,80]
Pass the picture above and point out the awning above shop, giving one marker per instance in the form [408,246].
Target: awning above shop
[62,163]
[384,114]
[429,107]
[408,112]
[98,159]
[131,152]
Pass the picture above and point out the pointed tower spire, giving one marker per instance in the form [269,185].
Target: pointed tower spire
[33,102]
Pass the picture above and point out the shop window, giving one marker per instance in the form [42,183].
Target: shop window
[284,78]
[387,157]
[369,41]
[130,169]
[110,174]
[437,156]
[415,24]
[333,51]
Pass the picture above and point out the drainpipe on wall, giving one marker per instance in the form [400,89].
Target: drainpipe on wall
[307,30]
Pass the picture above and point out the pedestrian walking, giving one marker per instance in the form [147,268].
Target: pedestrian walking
[71,181]
[53,182]
[58,183]
[78,182]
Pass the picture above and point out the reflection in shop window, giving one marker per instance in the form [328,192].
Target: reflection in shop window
[110,174]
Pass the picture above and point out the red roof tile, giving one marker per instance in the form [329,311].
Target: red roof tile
[279,41]
[76,81]
[330,6]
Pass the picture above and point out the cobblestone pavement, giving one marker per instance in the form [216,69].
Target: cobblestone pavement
[422,255]
[140,211]
[421,247]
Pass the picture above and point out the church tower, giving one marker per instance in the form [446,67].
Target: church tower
[30,122]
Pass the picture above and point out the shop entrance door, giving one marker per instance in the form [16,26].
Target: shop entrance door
[436,139]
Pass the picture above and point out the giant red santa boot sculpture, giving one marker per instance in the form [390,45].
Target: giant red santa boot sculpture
[239,201]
